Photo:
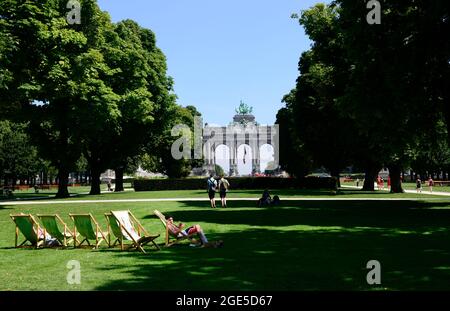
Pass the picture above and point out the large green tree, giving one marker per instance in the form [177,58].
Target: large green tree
[319,125]
[159,156]
[43,49]
[92,88]
[18,157]
[294,157]
[381,86]
[146,95]
[391,95]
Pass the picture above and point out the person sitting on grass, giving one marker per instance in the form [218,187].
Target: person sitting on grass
[178,231]
[266,199]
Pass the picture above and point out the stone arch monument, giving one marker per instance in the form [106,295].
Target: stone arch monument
[244,130]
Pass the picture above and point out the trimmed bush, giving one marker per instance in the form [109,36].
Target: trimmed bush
[238,183]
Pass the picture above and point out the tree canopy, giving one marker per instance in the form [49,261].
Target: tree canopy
[371,95]
[94,89]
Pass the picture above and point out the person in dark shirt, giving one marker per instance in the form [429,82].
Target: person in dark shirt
[419,185]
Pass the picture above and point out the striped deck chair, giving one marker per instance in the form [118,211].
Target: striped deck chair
[30,229]
[171,239]
[88,228]
[50,224]
[125,226]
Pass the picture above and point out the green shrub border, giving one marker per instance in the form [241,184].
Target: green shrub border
[238,183]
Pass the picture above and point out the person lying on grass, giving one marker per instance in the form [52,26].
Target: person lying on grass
[179,232]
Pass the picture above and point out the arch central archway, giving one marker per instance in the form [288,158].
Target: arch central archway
[235,141]
[267,157]
[244,160]
[223,157]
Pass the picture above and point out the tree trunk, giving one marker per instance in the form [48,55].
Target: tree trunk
[63,181]
[119,179]
[370,177]
[95,181]
[396,183]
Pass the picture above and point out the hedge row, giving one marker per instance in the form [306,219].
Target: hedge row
[238,183]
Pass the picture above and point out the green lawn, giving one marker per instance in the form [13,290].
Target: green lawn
[50,193]
[301,245]
[425,188]
[408,186]
[81,193]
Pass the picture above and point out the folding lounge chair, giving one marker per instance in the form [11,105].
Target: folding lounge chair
[28,226]
[125,226]
[88,228]
[169,234]
[50,224]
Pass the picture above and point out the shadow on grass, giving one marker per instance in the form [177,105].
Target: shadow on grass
[327,248]
[404,215]
[299,192]
[202,194]
[260,259]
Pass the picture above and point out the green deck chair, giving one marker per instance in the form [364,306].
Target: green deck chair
[88,228]
[29,227]
[125,226]
[170,238]
[50,224]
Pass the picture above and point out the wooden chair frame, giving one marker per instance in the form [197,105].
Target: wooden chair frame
[136,225]
[168,235]
[35,227]
[69,236]
[97,231]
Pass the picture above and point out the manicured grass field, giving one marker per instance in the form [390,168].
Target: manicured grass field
[300,245]
[409,186]
[81,193]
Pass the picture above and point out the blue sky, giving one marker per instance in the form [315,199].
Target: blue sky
[220,52]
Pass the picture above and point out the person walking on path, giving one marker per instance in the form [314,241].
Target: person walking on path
[224,185]
[212,187]
[431,184]
[419,185]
